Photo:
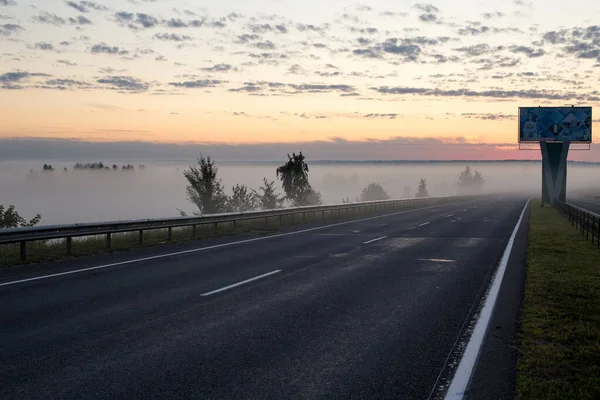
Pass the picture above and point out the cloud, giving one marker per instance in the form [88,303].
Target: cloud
[124,84]
[86,6]
[80,20]
[278,88]
[428,17]
[48,18]
[218,68]
[176,23]
[266,45]
[201,83]
[581,42]
[173,37]
[494,14]
[44,46]
[523,3]
[430,12]
[78,7]
[497,93]
[313,28]
[137,20]
[428,8]
[296,69]
[338,149]
[104,48]
[474,30]
[408,48]
[8,3]
[66,62]
[264,28]
[9,29]
[393,14]
[529,51]
[368,31]
[478,49]
[10,80]
[247,38]
[489,116]
[319,88]
[64,84]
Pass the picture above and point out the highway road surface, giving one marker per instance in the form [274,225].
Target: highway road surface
[588,203]
[372,308]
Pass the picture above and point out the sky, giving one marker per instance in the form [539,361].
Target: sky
[331,74]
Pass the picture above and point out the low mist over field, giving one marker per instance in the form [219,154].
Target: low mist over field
[158,190]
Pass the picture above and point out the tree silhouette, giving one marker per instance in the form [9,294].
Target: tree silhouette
[467,181]
[268,199]
[204,189]
[422,190]
[373,191]
[9,218]
[294,179]
[242,199]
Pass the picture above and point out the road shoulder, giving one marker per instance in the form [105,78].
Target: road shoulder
[495,373]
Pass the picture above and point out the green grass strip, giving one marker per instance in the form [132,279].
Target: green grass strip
[560,320]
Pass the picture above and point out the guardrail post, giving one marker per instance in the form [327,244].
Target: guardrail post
[216,227]
[23,250]
[169,234]
[141,237]
[598,235]
[69,245]
[234,225]
[108,241]
[587,227]
[280,219]
[292,217]
[194,231]
[267,220]
[304,216]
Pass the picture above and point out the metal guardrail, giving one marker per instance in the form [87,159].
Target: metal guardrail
[68,232]
[586,221]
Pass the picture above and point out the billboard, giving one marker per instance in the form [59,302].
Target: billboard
[555,124]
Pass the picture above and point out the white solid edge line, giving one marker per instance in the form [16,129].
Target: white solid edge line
[449,215]
[241,283]
[462,376]
[426,223]
[375,240]
[76,271]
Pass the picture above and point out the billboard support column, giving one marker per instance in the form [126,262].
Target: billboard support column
[554,171]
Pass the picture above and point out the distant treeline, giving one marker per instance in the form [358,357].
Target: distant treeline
[96,166]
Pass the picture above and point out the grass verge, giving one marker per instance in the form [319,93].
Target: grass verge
[560,321]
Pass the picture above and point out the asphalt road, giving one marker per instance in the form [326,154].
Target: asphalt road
[586,202]
[371,308]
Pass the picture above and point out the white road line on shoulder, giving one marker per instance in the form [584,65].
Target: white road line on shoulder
[241,283]
[449,215]
[218,246]
[462,376]
[440,260]
[465,209]
[375,240]
[425,223]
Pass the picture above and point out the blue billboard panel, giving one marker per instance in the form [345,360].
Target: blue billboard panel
[555,124]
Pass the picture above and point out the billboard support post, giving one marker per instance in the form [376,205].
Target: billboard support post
[554,171]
